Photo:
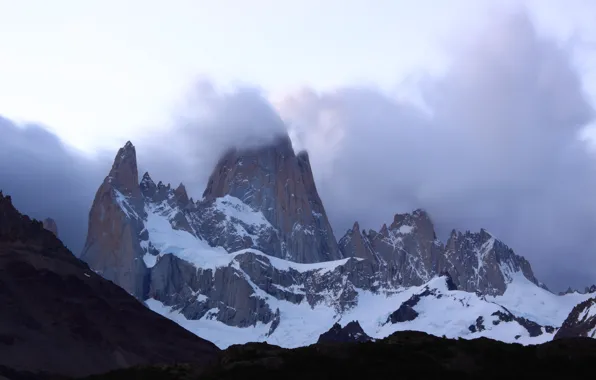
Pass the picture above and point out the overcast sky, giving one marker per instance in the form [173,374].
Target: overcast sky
[471,109]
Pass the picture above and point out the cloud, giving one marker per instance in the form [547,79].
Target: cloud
[211,121]
[48,179]
[495,146]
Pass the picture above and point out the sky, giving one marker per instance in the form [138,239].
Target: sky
[476,110]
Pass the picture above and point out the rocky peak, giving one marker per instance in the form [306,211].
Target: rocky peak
[124,175]
[356,243]
[148,187]
[50,225]
[273,180]
[181,196]
[418,220]
[115,221]
[480,262]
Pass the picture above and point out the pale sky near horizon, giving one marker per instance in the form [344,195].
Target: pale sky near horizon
[100,72]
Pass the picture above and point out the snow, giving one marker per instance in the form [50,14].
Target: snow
[125,205]
[405,230]
[449,314]
[233,207]
[180,243]
[199,253]
[523,298]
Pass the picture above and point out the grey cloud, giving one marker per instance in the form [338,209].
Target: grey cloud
[496,147]
[209,122]
[48,179]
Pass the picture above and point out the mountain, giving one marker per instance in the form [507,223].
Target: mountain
[58,316]
[581,322]
[256,260]
[279,184]
[409,251]
[50,225]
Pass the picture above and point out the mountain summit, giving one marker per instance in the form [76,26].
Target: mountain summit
[274,180]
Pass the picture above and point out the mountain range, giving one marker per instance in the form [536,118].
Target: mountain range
[256,259]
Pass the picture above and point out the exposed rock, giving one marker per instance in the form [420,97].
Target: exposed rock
[410,255]
[50,225]
[478,326]
[479,262]
[181,196]
[262,205]
[533,328]
[405,313]
[280,184]
[352,332]
[58,316]
[115,222]
[356,243]
[581,322]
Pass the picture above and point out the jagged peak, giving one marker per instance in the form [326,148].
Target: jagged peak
[148,187]
[356,227]
[124,174]
[50,225]
[181,194]
[147,178]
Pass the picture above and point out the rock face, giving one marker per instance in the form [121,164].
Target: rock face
[280,184]
[50,225]
[410,254]
[581,322]
[352,332]
[479,262]
[58,316]
[113,247]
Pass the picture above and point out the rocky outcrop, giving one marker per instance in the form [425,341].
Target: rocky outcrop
[277,182]
[113,247]
[59,317]
[350,333]
[410,254]
[50,225]
[479,262]
[581,322]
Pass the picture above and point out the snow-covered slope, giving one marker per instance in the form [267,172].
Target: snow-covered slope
[452,313]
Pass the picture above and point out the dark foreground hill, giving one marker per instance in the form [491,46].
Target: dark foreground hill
[58,316]
[403,355]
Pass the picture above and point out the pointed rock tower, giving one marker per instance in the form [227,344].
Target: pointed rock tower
[50,225]
[112,247]
[274,180]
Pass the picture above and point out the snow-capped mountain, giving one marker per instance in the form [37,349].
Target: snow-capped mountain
[256,259]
